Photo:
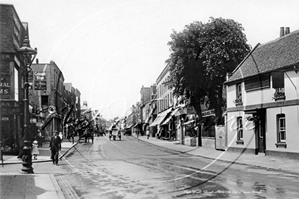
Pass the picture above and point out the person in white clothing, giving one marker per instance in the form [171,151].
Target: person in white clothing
[35,150]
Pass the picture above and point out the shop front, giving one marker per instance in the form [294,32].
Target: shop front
[11,132]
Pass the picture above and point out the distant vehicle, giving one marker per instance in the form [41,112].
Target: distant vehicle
[114,133]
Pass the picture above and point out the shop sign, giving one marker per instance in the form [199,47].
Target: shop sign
[40,85]
[208,113]
[7,57]
[9,104]
[10,107]
[40,81]
[5,85]
[11,110]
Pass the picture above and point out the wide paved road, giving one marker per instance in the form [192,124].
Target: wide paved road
[132,168]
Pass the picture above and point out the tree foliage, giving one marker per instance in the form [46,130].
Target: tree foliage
[201,56]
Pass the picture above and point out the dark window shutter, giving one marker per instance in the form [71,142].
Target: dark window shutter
[278,79]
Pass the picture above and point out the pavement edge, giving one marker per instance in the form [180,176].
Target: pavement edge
[58,190]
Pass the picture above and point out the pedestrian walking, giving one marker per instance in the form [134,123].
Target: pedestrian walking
[35,150]
[40,138]
[55,147]
[147,133]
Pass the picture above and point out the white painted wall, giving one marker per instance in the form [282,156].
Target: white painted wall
[248,129]
[291,84]
[292,128]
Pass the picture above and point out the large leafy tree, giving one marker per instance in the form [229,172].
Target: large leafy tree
[201,56]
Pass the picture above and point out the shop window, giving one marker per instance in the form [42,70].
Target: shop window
[240,133]
[281,130]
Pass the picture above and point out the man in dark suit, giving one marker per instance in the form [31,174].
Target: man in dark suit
[55,147]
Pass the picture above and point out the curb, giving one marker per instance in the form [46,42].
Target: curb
[227,161]
[58,190]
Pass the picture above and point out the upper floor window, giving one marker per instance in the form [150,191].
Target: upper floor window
[239,91]
[238,101]
[278,85]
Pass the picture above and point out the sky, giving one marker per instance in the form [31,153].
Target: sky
[108,50]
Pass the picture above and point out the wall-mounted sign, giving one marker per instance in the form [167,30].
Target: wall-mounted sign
[5,119]
[40,85]
[5,86]
[208,113]
[40,81]
[11,110]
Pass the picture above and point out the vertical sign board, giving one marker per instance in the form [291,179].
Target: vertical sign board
[40,81]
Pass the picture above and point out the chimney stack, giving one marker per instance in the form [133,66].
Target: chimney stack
[287,30]
[281,31]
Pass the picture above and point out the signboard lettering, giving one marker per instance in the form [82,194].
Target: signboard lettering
[5,85]
[208,113]
[40,85]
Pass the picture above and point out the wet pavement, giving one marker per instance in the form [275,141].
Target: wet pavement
[150,168]
[133,168]
[15,184]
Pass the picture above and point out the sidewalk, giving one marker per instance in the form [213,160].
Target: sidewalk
[262,161]
[40,185]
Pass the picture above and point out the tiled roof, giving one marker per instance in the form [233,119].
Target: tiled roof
[273,55]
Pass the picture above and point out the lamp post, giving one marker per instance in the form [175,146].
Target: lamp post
[28,54]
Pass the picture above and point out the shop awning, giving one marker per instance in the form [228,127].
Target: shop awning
[136,125]
[160,118]
[175,112]
[129,126]
[189,122]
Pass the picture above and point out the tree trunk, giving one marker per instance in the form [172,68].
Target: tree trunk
[195,102]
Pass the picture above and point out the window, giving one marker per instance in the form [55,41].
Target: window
[238,101]
[281,128]
[239,128]
[239,91]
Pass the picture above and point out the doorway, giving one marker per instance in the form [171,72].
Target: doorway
[260,131]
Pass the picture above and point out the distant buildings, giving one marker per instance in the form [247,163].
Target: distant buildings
[262,113]
[47,92]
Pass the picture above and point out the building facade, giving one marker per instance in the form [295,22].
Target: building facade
[47,95]
[165,105]
[12,34]
[263,100]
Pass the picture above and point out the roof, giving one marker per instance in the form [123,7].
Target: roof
[273,55]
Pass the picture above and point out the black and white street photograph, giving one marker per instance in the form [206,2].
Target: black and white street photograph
[149,99]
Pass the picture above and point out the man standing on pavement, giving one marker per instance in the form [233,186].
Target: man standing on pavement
[55,147]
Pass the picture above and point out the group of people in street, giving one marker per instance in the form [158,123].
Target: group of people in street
[54,145]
